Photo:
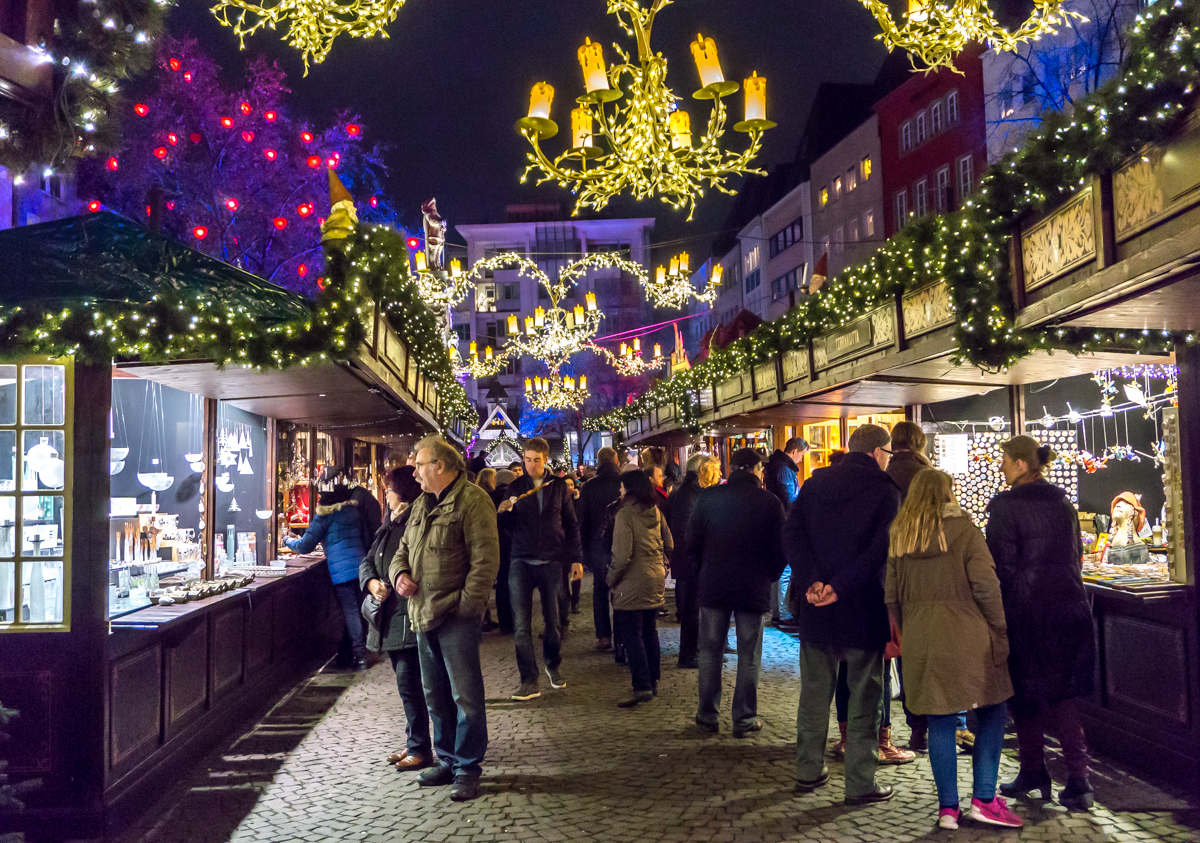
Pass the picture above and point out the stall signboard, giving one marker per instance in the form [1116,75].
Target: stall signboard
[850,339]
[953,452]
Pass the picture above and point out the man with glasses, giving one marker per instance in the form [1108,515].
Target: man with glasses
[446,565]
[836,540]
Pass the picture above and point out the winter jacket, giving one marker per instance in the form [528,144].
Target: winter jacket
[679,512]
[734,542]
[594,498]
[781,478]
[1033,534]
[370,511]
[452,550]
[394,631]
[947,605]
[837,534]
[546,533]
[904,466]
[637,574]
[338,528]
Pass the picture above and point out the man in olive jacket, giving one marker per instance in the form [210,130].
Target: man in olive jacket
[445,566]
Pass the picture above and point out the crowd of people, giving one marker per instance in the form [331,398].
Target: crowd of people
[870,561]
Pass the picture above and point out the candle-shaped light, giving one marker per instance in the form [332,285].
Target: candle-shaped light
[657,351]
[528,385]
[660,275]
[718,272]
[624,350]
[591,301]
[539,317]
[578,314]
[570,319]
[569,383]
[591,59]
[581,128]
[455,268]
[674,266]
[487,354]
[540,99]
[684,262]
[513,328]
[583,382]
[453,353]
[474,352]
[681,130]
[529,326]
[704,51]
[637,345]
[756,97]
[422,262]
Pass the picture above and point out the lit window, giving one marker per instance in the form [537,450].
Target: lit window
[824,196]
[906,137]
[837,188]
[869,223]
[854,236]
[866,168]
[851,179]
[942,197]
[921,198]
[964,176]
[921,128]
[901,209]
[952,107]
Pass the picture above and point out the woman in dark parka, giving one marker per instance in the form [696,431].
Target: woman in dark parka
[1033,535]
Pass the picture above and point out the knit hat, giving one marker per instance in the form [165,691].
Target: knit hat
[1136,502]
[504,477]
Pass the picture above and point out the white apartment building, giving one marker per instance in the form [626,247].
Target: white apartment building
[847,199]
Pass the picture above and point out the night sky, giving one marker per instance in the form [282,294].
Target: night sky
[444,90]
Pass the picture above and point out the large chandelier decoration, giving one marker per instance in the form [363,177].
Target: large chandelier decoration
[672,287]
[937,32]
[312,25]
[556,392]
[629,361]
[441,288]
[644,145]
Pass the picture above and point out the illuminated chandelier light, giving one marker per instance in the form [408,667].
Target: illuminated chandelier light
[936,32]
[644,146]
[629,362]
[673,287]
[440,288]
[556,392]
[312,25]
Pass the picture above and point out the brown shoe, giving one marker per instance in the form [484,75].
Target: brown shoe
[397,756]
[412,762]
[604,644]
[889,753]
[839,748]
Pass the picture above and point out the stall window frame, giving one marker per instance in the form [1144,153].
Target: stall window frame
[17,625]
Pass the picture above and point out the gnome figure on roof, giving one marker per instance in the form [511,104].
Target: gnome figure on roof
[342,216]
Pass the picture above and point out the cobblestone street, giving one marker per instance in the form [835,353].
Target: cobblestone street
[572,766]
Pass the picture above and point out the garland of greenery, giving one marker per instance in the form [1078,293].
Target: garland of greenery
[968,249]
[96,45]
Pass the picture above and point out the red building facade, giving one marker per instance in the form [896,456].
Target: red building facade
[933,136]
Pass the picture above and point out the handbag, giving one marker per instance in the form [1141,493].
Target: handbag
[892,650]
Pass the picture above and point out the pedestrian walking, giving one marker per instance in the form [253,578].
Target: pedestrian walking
[943,594]
[338,527]
[538,518]
[637,576]
[679,513]
[388,629]
[734,542]
[782,479]
[594,499]
[836,540]
[445,565]
[1033,534]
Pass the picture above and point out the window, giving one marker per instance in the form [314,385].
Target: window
[751,260]
[921,128]
[485,297]
[839,238]
[906,137]
[790,280]
[854,237]
[1004,103]
[869,223]
[901,209]
[851,179]
[921,198]
[941,197]
[952,107]
[463,331]
[35,408]
[753,279]
[786,237]
[825,245]
[935,117]
[824,196]
[866,168]
[837,188]
[964,177]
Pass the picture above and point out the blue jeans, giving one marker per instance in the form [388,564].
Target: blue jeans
[714,628]
[454,693]
[349,599]
[523,578]
[639,632]
[600,608]
[407,664]
[985,762]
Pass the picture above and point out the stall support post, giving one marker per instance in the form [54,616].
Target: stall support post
[1016,408]
[912,413]
[1187,358]
[209,492]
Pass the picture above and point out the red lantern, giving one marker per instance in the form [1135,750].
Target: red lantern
[171,205]
[112,164]
[231,204]
[160,152]
[199,232]
[172,138]
[271,154]
[281,223]
[304,209]
[321,283]
[413,242]
[353,130]
[314,161]
[245,108]
[227,122]
[374,201]
[173,64]
[247,136]
[195,137]
[307,137]
[187,76]
[94,206]
[141,109]
[302,270]
[270,116]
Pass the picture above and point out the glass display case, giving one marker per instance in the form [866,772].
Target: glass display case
[244,492]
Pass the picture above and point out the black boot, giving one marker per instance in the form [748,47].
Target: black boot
[1077,795]
[1026,781]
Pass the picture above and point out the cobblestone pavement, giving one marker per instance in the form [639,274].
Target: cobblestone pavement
[572,766]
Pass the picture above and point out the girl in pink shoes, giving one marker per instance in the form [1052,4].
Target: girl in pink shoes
[943,593]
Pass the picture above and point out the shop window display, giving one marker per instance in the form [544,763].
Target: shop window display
[244,507]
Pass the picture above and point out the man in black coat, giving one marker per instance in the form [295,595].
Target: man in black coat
[679,514]
[538,517]
[734,542]
[594,499]
[837,540]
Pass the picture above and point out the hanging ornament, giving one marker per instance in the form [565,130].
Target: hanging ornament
[674,288]
[40,455]
[152,454]
[1047,420]
[997,423]
[223,483]
[233,506]
[244,466]
[1073,415]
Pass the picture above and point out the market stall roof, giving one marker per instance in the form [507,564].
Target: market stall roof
[105,257]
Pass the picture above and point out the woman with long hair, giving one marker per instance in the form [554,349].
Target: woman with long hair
[942,591]
[637,576]
[1033,533]
[486,480]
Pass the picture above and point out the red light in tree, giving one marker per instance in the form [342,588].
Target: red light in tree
[171,206]
[302,270]
[245,108]
[112,164]
[320,220]
[281,223]
[374,201]
[353,130]
[231,204]
[413,243]
[187,76]
[173,64]
[314,161]
[321,283]
[195,137]
[94,206]
[304,209]
[199,232]
[247,136]
[141,109]
[307,137]
[270,116]
[331,162]
[227,122]
[271,154]
[160,152]
[172,138]
[147,210]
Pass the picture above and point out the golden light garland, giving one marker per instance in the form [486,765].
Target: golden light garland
[630,362]
[312,25]
[556,392]
[935,33]
[441,288]
[673,287]
[644,145]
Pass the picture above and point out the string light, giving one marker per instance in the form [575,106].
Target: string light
[673,288]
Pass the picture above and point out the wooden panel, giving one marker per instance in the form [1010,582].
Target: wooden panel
[228,640]
[186,678]
[729,390]
[927,309]
[259,633]
[1147,666]
[1153,184]
[1061,242]
[795,365]
[135,705]
[285,617]
[765,378]
[29,748]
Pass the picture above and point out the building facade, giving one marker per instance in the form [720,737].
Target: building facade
[847,199]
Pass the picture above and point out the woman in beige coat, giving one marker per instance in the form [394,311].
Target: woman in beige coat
[943,593]
[637,576]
